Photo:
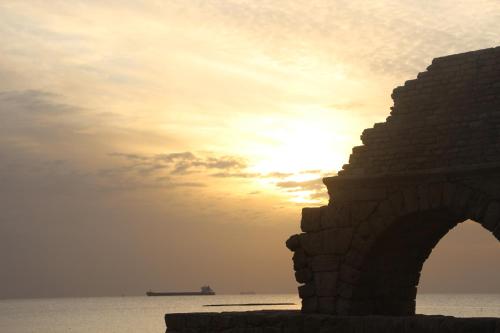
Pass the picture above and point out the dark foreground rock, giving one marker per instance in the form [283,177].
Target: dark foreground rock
[295,321]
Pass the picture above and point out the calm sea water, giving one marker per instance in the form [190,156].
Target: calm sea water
[145,314]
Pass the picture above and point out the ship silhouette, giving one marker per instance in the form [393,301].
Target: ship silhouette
[204,291]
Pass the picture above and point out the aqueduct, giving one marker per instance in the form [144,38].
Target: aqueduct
[434,163]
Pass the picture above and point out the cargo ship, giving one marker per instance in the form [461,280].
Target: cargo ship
[204,291]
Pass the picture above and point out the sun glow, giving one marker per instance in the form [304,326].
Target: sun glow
[312,141]
[295,152]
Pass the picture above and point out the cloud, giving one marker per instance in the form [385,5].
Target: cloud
[178,163]
[37,116]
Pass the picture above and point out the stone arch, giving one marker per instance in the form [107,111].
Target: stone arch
[363,252]
[385,259]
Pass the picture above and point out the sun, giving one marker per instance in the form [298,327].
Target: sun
[303,144]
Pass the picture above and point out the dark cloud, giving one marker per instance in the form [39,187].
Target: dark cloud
[36,116]
[277,175]
[310,185]
[235,175]
[315,187]
[178,164]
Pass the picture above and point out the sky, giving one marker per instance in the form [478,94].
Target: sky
[169,144]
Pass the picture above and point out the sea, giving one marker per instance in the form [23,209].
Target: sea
[145,314]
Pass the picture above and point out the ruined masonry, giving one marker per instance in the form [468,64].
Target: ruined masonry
[434,163]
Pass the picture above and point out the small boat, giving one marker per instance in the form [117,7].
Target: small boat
[204,291]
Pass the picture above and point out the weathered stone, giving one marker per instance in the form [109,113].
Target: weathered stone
[293,242]
[341,216]
[327,217]
[326,283]
[397,202]
[448,194]
[345,290]
[370,228]
[423,197]
[337,241]
[307,290]
[299,259]
[311,218]
[349,274]
[310,305]
[326,305]
[293,322]
[410,199]
[325,263]
[434,163]
[303,275]
[491,217]
[312,243]
[477,207]
[386,210]
[462,196]
[343,306]
[363,211]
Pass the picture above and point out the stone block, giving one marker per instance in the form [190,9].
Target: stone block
[312,243]
[410,200]
[355,258]
[325,263]
[423,198]
[303,275]
[435,192]
[338,240]
[491,217]
[300,259]
[293,324]
[370,194]
[343,306]
[328,219]
[309,305]
[313,323]
[397,202]
[311,218]
[477,208]
[325,283]
[326,305]
[293,243]
[461,199]
[372,227]
[349,274]
[345,290]
[385,210]
[362,211]
[307,290]
[448,194]
[175,321]
[341,215]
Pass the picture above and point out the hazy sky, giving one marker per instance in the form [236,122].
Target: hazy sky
[168,144]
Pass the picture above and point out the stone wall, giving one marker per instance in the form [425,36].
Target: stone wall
[447,116]
[434,163]
[295,322]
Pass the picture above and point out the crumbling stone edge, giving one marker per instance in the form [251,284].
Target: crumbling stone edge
[281,321]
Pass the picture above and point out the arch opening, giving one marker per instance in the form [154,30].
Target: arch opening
[391,271]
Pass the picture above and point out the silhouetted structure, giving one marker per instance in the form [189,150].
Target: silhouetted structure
[204,291]
[434,163]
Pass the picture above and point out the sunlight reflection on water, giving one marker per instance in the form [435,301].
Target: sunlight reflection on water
[145,314]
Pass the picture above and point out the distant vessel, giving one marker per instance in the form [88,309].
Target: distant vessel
[204,291]
[248,293]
